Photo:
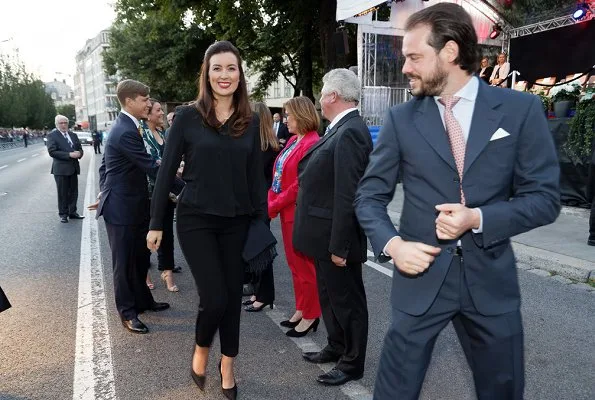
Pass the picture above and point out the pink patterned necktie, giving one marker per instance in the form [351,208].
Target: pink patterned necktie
[455,137]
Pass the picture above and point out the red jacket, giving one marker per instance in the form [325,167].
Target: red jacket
[284,203]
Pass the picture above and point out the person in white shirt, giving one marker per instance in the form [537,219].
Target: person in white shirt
[500,72]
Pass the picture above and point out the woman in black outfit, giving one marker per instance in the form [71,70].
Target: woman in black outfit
[264,283]
[219,138]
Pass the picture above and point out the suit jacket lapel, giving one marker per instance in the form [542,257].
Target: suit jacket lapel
[334,129]
[429,124]
[484,123]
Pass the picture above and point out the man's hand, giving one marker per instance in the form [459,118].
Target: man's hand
[338,261]
[75,154]
[454,220]
[411,258]
[94,206]
[154,240]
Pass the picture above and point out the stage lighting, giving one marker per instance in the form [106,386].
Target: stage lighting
[496,30]
[581,11]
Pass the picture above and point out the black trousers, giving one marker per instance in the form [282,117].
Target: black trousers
[165,253]
[212,246]
[68,192]
[495,344]
[130,262]
[97,147]
[345,313]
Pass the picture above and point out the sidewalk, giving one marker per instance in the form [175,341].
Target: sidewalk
[559,248]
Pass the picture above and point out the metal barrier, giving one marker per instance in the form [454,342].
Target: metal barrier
[20,143]
[376,100]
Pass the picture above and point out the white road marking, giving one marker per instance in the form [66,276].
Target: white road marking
[2,167]
[93,368]
[35,155]
[21,160]
[352,389]
[378,267]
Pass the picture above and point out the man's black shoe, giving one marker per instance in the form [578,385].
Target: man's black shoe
[337,377]
[135,325]
[159,306]
[75,216]
[320,357]
[177,269]
[591,242]
[64,219]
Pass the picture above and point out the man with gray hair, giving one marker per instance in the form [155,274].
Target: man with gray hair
[327,230]
[66,150]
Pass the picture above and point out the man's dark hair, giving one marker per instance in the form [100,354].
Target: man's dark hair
[131,89]
[449,21]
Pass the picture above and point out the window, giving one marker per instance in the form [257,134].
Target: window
[288,90]
[276,90]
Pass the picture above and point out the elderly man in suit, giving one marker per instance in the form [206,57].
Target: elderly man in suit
[327,230]
[478,167]
[66,150]
[280,129]
[124,204]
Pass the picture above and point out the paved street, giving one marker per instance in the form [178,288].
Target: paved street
[58,343]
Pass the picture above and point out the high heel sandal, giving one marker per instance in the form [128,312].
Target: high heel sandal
[313,327]
[172,288]
[248,302]
[251,308]
[289,324]
[231,393]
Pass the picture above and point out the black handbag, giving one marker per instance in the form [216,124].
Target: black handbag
[260,247]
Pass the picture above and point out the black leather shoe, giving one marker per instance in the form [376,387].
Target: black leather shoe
[337,377]
[159,306]
[313,327]
[64,219]
[135,325]
[176,270]
[231,393]
[288,324]
[199,380]
[247,302]
[591,242]
[320,357]
[75,216]
[251,308]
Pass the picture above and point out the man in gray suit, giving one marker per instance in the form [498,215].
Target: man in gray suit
[478,167]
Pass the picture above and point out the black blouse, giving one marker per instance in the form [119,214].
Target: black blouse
[223,174]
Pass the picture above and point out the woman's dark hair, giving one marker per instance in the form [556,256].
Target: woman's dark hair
[449,21]
[205,103]
[153,101]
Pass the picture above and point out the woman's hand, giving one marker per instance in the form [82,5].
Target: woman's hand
[154,240]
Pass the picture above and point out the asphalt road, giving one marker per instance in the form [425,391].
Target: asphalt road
[39,270]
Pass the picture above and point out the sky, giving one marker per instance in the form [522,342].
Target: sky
[47,34]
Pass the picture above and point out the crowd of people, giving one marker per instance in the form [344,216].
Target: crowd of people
[472,178]
[9,135]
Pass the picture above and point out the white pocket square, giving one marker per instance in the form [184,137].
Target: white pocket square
[499,134]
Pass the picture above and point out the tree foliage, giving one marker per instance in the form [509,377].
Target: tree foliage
[68,111]
[293,39]
[23,100]
[517,12]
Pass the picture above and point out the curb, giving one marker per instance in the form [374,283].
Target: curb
[534,257]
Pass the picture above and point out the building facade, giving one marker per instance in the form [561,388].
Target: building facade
[276,95]
[60,92]
[95,98]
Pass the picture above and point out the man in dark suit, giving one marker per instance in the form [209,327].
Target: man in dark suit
[327,230]
[96,135]
[280,129]
[124,204]
[66,150]
[478,167]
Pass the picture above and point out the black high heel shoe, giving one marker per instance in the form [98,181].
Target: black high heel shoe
[251,308]
[288,324]
[232,393]
[247,302]
[198,379]
[312,327]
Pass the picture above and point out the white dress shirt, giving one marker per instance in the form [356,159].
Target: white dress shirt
[132,118]
[463,113]
[276,127]
[338,118]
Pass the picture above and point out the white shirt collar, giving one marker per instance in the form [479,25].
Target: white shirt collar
[467,92]
[131,117]
[339,116]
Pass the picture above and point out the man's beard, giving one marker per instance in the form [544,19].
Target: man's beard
[431,85]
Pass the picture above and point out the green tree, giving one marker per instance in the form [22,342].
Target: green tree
[23,100]
[68,111]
